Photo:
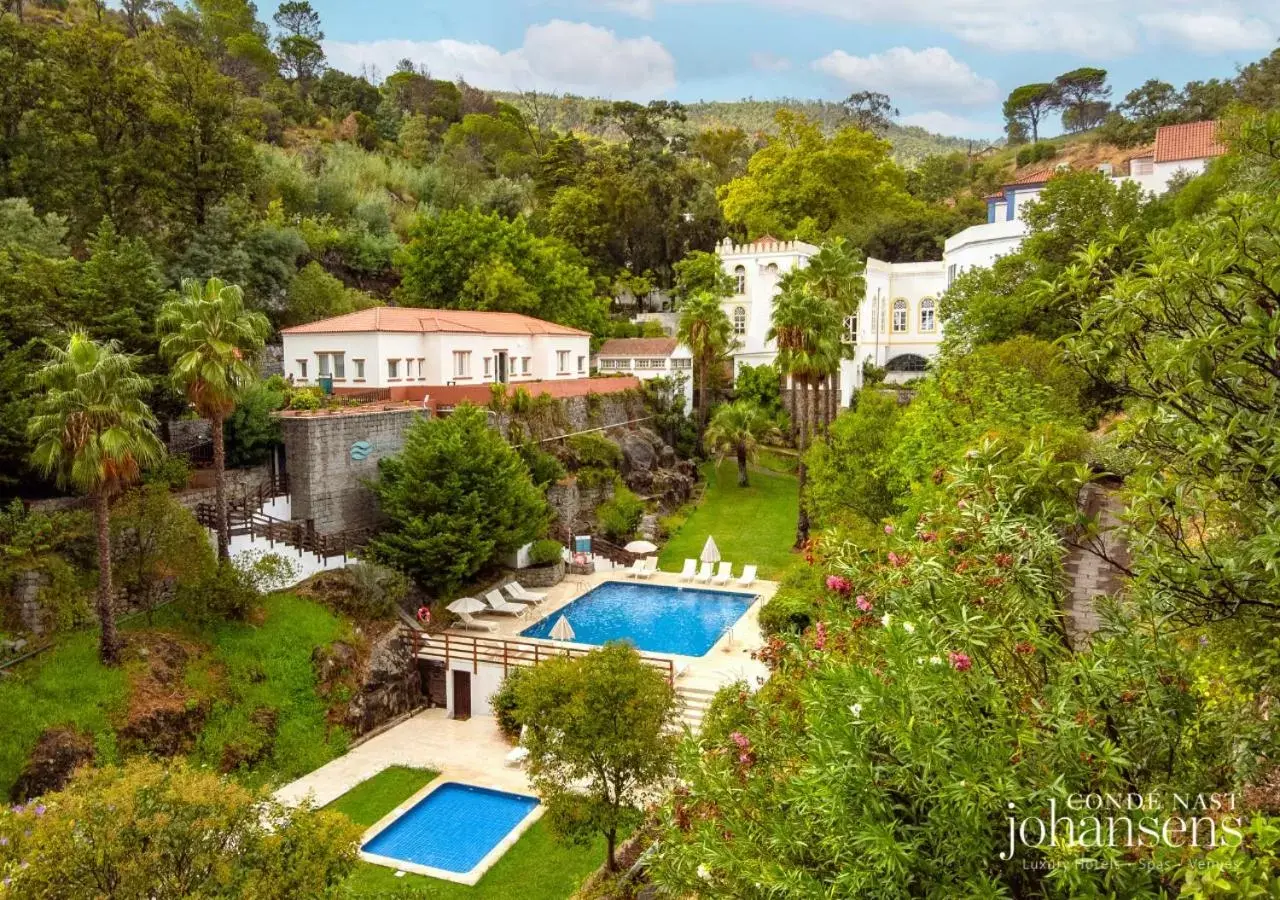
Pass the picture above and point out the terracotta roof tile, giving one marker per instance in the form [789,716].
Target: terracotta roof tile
[637,347]
[1036,176]
[443,321]
[1194,140]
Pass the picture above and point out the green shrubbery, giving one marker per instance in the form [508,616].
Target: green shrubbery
[620,517]
[545,552]
[1036,152]
[504,704]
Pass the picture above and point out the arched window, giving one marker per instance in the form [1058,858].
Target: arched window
[927,317]
[772,269]
[739,320]
[906,362]
[740,279]
[851,329]
[899,316]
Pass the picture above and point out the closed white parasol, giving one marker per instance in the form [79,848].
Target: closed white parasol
[467,606]
[562,630]
[710,552]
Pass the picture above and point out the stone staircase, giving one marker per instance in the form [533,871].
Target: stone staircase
[694,703]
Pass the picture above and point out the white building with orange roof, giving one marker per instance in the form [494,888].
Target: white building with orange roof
[406,350]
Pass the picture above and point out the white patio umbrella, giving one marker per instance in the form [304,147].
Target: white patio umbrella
[641,547]
[467,605]
[710,552]
[562,630]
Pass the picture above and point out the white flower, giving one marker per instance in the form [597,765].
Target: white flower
[908,627]
[885,620]
[936,660]
[856,709]
[704,873]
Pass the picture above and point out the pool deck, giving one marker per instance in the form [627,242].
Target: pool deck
[728,660]
[473,751]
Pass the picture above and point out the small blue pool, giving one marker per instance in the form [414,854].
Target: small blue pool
[656,618]
[452,828]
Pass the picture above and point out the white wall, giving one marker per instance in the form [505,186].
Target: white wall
[876,341]
[485,682]
[613,365]
[435,350]
[763,264]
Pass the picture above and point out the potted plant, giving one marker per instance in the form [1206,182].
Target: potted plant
[546,564]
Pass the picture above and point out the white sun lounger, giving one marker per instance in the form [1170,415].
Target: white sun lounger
[723,574]
[748,576]
[521,594]
[497,603]
[636,570]
[704,574]
[520,752]
[650,568]
[689,570]
[469,621]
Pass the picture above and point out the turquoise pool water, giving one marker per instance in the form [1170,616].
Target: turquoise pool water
[452,828]
[656,618]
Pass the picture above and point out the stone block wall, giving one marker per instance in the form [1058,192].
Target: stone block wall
[332,458]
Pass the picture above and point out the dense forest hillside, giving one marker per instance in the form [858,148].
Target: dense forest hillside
[755,117]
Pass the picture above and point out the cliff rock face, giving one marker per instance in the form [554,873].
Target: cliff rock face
[650,468]
[385,684]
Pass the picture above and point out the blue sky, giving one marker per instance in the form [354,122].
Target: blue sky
[947,64]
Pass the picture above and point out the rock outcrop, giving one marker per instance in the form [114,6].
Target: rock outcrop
[384,684]
[54,759]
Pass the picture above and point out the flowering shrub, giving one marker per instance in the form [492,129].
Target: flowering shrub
[894,741]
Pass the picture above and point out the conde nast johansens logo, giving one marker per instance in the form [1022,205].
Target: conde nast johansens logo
[1128,821]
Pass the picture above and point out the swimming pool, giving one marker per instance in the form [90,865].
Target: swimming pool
[653,617]
[451,830]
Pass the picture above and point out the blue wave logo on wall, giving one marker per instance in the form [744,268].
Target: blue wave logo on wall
[360,450]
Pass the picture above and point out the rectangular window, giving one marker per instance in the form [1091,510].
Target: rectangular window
[339,365]
[461,363]
[526,364]
[562,362]
[899,318]
[1141,166]
[359,366]
[302,369]
[606,364]
[926,316]
[422,371]
[393,369]
[488,366]
[322,364]
[951,274]
[582,364]
[851,329]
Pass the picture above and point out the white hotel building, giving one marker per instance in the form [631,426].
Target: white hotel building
[897,325]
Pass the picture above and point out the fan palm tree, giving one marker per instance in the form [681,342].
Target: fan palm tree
[93,432]
[835,274]
[738,428]
[210,342]
[707,332]
[807,331]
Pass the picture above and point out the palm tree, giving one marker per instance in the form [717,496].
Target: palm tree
[738,428]
[94,434]
[707,332]
[210,340]
[807,331]
[834,274]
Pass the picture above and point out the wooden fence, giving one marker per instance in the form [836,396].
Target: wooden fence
[509,653]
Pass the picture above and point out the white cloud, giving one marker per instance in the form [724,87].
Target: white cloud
[557,56]
[641,9]
[769,62]
[1210,32]
[950,124]
[1096,29]
[900,72]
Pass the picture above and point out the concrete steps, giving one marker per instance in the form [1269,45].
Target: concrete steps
[695,701]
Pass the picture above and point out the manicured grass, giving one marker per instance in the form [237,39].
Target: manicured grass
[538,867]
[249,667]
[372,799]
[755,524]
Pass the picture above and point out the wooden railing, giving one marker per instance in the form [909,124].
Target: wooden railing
[509,653]
[620,556]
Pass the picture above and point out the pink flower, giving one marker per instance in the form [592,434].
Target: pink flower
[888,529]
[745,756]
[960,661]
[962,503]
[863,603]
[897,561]
[839,584]
[928,536]
[820,637]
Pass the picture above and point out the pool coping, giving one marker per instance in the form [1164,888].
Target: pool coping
[676,658]
[473,875]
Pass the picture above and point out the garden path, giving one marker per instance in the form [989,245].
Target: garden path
[1094,565]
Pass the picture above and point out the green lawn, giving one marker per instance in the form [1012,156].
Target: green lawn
[538,867]
[249,667]
[755,524]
